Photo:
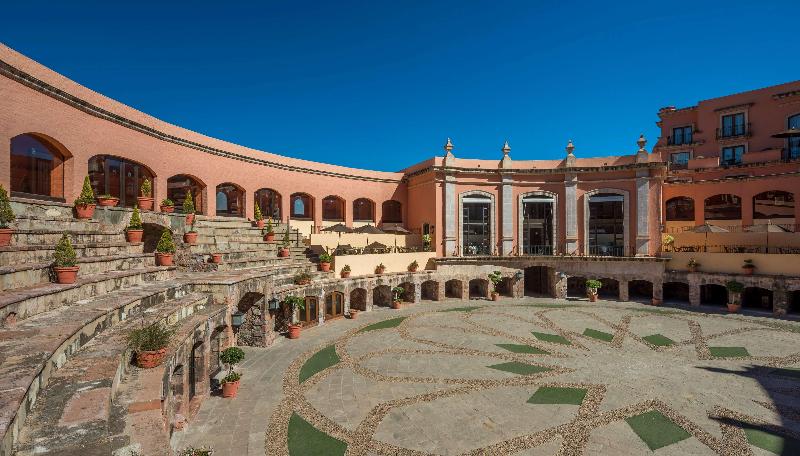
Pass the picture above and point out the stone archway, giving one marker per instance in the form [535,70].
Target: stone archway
[757,298]
[430,290]
[794,302]
[197,370]
[576,287]
[640,290]
[537,281]
[218,341]
[610,289]
[506,287]
[382,296]
[251,333]
[454,288]
[175,407]
[676,292]
[358,299]
[713,294]
[478,289]
[409,292]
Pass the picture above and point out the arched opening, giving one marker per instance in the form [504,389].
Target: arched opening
[640,290]
[757,298]
[609,290]
[478,289]
[358,299]
[230,200]
[409,292]
[773,205]
[179,185]
[219,341]
[677,292]
[723,207]
[251,332]
[302,206]
[793,143]
[197,369]
[391,212]
[680,208]
[537,281]
[119,177]
[576,287]
[794,302]
[269,201]
[333,209]
[430,290]
[476,223]
[506,287]
[606,224]
[310,313]
[151,236]
[713,294]
[538,224]
[382,296]
[176,393]
[334,305]
[37,167]
[364,210]
[453,289]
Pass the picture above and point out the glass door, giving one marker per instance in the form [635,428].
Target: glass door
[537,226]
[475,229]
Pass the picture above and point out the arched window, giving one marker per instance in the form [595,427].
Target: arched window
[392,212]
[680,208]
[774,204]
[301,205]
[230,200]
[37,167]
[723,207]
[333,208]
[270,203]
[793,150]
[363,210]
[118,177]
[179,185]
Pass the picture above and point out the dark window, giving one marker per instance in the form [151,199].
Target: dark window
[680,208]
[537,225]
[269,201]
[775,204]
[682,135]
[732,155]
[606,224]
[363,210]
[475,230]
[392,212]
[301,205]
[334,305]
[178,186]
[309,314]
[230,200]
[118,177]
[333,208]
[679,160]
[36,167]
[723,207]
[733,125]
[794,142]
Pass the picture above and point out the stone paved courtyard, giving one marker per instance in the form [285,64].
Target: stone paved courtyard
[522,377]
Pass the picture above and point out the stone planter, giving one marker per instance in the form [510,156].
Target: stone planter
[345,274]
[167,209]
[269,237]
[134,236]
[413,269]
[145,203]
[216,258]
[164,259]
[294,331]
[190,237]
[5,236]
[107,202]
[66,275]
[325,267]
[150,359]
[84,211]
[283,253]
[396,304]
[229,389]
[353,314]
[189,219]
[260,223]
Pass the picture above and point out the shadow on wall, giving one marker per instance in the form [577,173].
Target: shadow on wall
[152,233]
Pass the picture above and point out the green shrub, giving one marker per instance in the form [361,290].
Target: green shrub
[150,338]
[231,377]
[147,188]
[270,229]
[593,284]
[87,194]
[165,244]
[496,277]
[257,212]
[188,204]
[734,286]
[295,302]
[231,356]
[167,202]
[199,451]
[346,268]
[136,220]
[64,255]
[302,278]
[414,265]
[398,293]
[325,257]
[286,240]
[6,213]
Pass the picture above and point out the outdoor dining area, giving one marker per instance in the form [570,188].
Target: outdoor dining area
[745,239]
[356,241]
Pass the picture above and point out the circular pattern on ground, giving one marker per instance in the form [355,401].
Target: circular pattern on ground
[521,377]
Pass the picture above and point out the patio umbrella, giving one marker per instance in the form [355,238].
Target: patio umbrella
[790,133]
[338,228]
[706,228]
[396,229]
[375,246]
[368,229]
[767,228]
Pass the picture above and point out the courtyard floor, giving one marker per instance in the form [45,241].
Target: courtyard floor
[521,377]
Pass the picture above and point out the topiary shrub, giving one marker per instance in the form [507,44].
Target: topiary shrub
[6,213]
[167,202]
[398,293]
[188,204]
[87,194]
[496,277]
[325,257]
[270,229]
[136,220]
[64,255]
[257,212]
[147,188]
[734,286]
[593,285]
[231,356]
[166,244]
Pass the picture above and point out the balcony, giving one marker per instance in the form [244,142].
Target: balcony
[679,141]
[734,131]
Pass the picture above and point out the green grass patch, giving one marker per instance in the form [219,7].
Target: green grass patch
[728,352]
[659,340]
[385,324]
[519,368]
[656,430]
[462,309]
[599,335]
[555,395]
[772,442]
[791,372]
[517,348]
[305,439]
[552,338]
[320,361]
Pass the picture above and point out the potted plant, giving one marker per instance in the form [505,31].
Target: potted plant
[257,215]
[496,277]
[146,200]
[669,242]
[107,200]
[149,344]
[188,208]
[65,261]
[735,290]
[413,266]
[216,258]
[269,231]
[325,261]
[426,242]
[692,265]
[397,297]
[231,356]
[6,217]
[165,249]
[345,273]
[353,314]
[302,278]
[295,303]
[135,230]
[283,252]
[199,451]
[380,269]
[592,285]
[748,267]
[167,205]
[84,205]
[190,237]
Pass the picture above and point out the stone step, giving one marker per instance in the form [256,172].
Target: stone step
[27,302]
[248,263]
[217,247]
[18,254]
[51,236]
[247,236]
[31,274]
[27,222]
[207,228]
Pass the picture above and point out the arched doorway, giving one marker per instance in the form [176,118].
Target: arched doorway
[197,370]
[358,299]
[334,305]
[478,289]
[391,212]
[576,287]
[537,281]
[409,292]
[364,210]
[219,340]
[37,167]
[773,205]
[119,177]
[506,287]
[723,207]
[301,206]
[382,296]
[794,302]
[230,200]
[713,294]
[430,290]
[757,298]
[332,209]
[640,290]
[309,316]
[676,292]
[610,289]
[179,185]
[269,201]
[453,289]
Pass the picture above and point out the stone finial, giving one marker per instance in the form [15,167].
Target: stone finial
[506,148]
[506,161]
[570,147]
[641,154]
[641,142]
[448,148]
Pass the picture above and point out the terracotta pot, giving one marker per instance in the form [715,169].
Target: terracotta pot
[748,271]
[592,297]
[353,314]
[216,258]
[396,304]
[413,269]
[692,268]
[269,237]
[189,218]
[168,209]
[145,203]
[734,308]
[84,211]
[134,236]
[303,282]
[190,237]
[380,270]
[229,389]
[283,252]
[294,331]
[325,267]
[66,274]
[657,302]
[164,259]
[5,236]
[495,296]
[260,223]
[345,274]
[150,359]
[107,202]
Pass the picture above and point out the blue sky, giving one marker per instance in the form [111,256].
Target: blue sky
[380,84]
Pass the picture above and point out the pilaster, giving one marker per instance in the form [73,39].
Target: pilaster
[507,202]
[642,212]
[449,214]
[571,212]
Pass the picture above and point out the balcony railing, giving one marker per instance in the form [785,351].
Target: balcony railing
[734,131]
[537,250]
[680,141]
[789,227]
[732,248]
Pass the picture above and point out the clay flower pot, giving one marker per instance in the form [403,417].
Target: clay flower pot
[592,297]
[657,302]
[107,202]
[269,237]
[325,267]
[168,209]
[345,274]
[380,270]
[5,236]
[67,274]
[495,296]
[353,314]
[692,268]
[134,236]
[734,308]
[748,271]
[396,304]
[260,223]
[190,218]
[294,331]
[283,252]
[216,258]
[85,211]
[413,269]
[145,203]
[164,259]
[150,359]
[229,389]
[190,237]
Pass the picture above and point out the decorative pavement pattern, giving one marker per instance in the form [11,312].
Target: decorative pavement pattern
[528,378]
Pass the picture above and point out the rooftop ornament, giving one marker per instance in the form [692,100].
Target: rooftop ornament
[641,154]
[570,161]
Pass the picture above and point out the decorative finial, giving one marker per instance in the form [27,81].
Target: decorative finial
[570,147]
[449,146]
[641,142]
[506,148]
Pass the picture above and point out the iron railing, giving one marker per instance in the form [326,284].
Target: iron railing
[734,131]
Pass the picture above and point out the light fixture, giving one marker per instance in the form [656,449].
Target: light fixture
[518,275]
[237,319]
[272,304]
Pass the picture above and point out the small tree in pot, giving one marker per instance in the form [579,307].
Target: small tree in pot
[692,265]
[325,261]
[85,204]
[284,250]
[397,297]
[188,208]
[149,344]
[257,215]
[146,199]
[231,356]
[413,266]
[345,273]
[426,242]
[6,217]
[295,303]
[165,249]
[107,200]
[190,237]
[496,277]
[65,261]
[592,285]
[167,205]
[380,269]
[748,267]
[135,230]
[735,290]
[269,231]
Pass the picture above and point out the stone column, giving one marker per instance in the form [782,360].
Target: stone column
[417,291]
[694,291]
[658,290]
[346,301]
[780,299]
[623,290]
[507,204]
[321,306]
[449,208]
[368,304]
[571,212]
[465,290]
[642,212]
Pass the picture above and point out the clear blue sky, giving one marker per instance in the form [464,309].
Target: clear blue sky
[380,84]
